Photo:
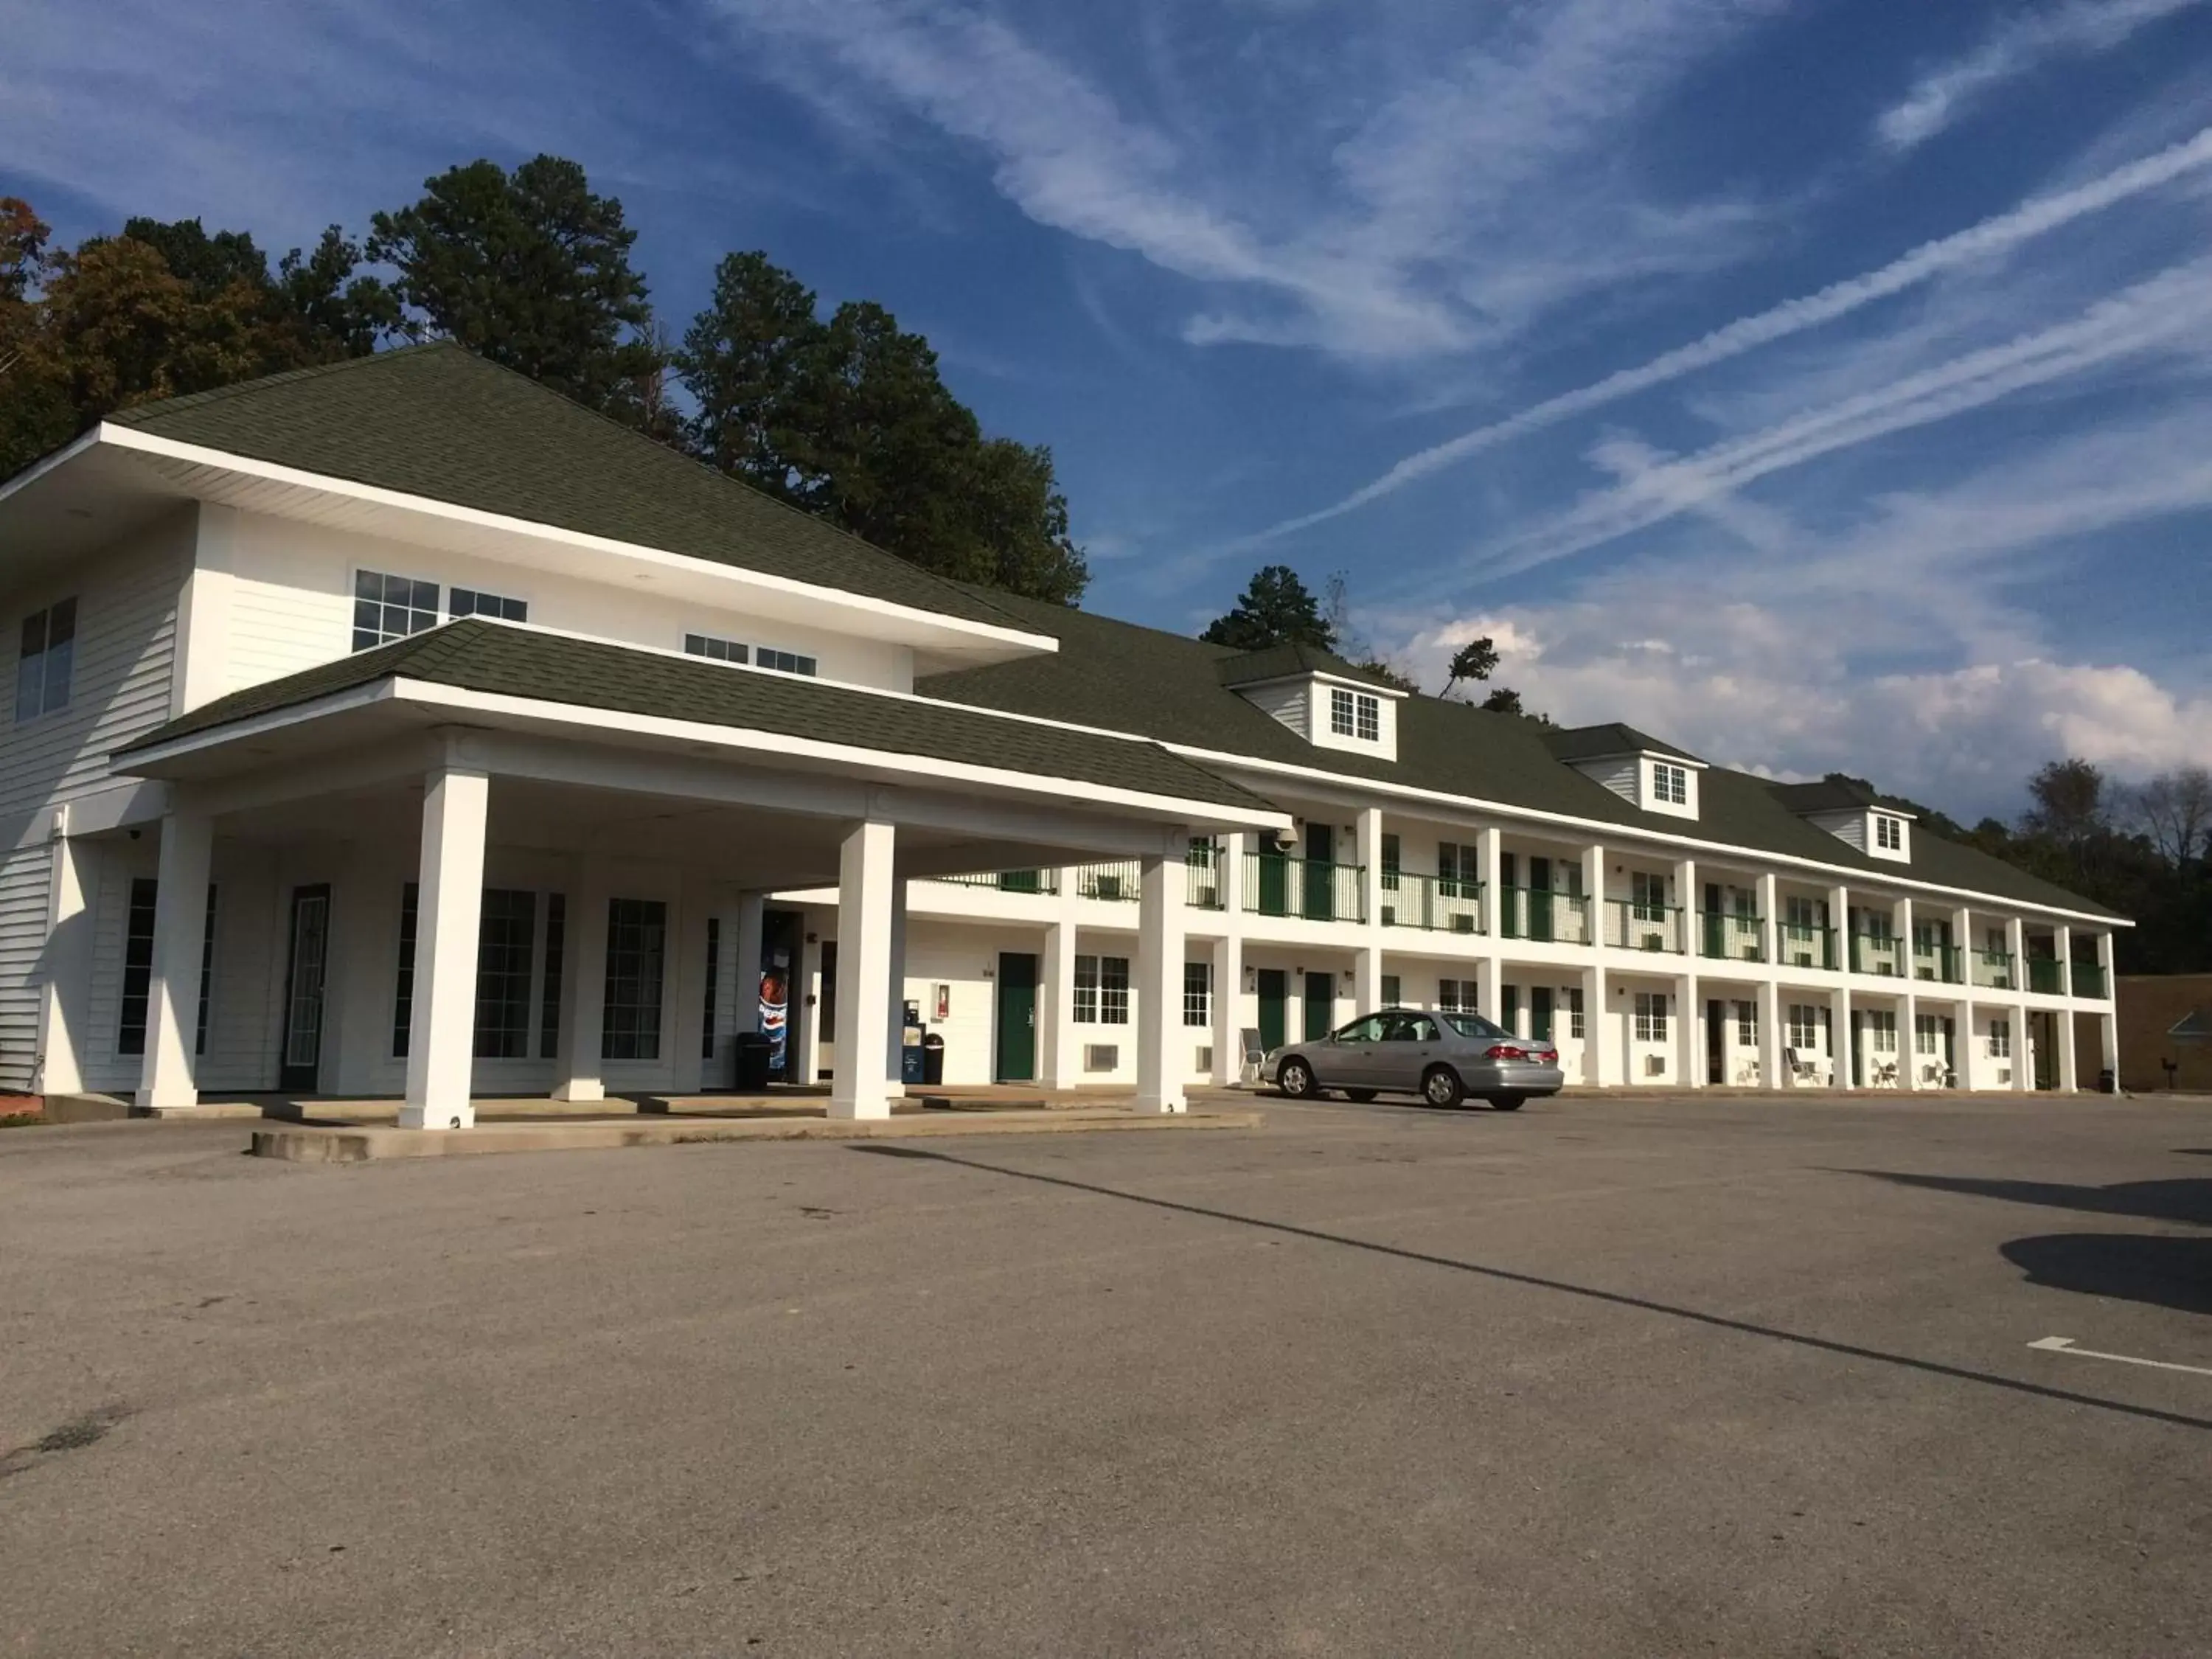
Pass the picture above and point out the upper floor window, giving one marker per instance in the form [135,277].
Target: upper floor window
[42,672]
[784,662]
[474,602]
[1670,784]
[388,608]
[1355,714]
[705,645]
[1888,833]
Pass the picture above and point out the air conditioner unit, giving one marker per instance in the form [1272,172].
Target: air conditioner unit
[1101,1056]
[1205,1059]
[1655,1064]
[1463,924]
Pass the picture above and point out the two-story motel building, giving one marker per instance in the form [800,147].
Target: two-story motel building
[400,728]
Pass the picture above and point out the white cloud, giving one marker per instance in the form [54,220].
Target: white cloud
[2019,45]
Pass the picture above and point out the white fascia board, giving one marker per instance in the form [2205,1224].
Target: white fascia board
[1613,834]
[1322,676]
[254,726]
[53,463]
[146,443]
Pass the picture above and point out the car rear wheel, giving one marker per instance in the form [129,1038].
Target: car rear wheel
[1363,1095]
[1440,1087]
[1508,1102]
[1296,1079]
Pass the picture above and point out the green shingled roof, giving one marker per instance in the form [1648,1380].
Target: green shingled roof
[1573,743]
[1279,662]
[437,421]
[477,655]
[1169,687]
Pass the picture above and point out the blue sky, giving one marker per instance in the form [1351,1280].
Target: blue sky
[1819,385]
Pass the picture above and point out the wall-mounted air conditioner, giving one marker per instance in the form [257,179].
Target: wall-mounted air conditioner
[1101,1056]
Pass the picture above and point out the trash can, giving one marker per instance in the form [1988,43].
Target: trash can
[2106,1083]
[933,1058]
[750,1062]
[910,1034]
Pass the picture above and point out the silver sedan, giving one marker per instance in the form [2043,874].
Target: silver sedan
[1442,1057]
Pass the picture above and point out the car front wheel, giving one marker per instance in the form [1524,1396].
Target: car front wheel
[1295,1078]
[1440,1087]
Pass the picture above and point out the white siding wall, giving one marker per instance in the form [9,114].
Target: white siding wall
[1620,774]
[1287,701]
[292,607]
[24,882]
[1850,827]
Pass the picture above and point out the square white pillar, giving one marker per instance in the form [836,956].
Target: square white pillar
[1061,1057]
[866,902]
[2108,1046]
[1690,1039]
[66,966]
[895,981]
[1909,1059]
[579,1073]
[1495,899]
[2068,1080]
[1367,979]
[1769,922]
[167,1076]
[1692,939]
[1228,1008]
[449,913]
[1160,1066]
[1844,1060]
[1773,1073]
[1596,1068]
[2023,1055]
[1490,987]
[1367,837]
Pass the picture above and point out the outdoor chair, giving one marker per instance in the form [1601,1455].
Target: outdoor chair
[1255,1055]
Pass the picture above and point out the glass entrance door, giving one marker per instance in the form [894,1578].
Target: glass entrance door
[302,1062]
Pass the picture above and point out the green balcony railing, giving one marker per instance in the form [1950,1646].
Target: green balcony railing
[1008,881]
[1945,963]
[1881,954]
[1441,904]
[1543,916]
[2046,976]
[1993,970]
[1807,947]
[1632,926]
[1116,883]
[1282,886]
[1730,936]
[1202,884]
[2089,980]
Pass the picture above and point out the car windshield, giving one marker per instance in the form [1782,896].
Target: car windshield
[1473,1026]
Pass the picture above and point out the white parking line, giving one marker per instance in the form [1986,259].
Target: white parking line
[2065,1345]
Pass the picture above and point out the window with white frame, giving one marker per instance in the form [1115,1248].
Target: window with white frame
[1927,1034]
[1198,994]
[1390,988]
[48,657]
[506,932]
[2000,1039]
[1881,1032]
[1575,1011]
[1651,1015]
[716,650]
[474,602]
[1670,784]
[784,662]
[1747,1023]
[1457,864]
[1355,714]
[1804,1025]
[1102,990]
[1391,861]
[1647,896]
[1888,833]
[637,954]
[388,608]
[1457,996]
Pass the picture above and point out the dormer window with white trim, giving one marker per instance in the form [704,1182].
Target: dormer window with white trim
[1888,837]
[1670,784]
[1355,714]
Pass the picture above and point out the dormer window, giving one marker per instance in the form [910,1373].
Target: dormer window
[1888,833]
[1355,714]
[1670,784]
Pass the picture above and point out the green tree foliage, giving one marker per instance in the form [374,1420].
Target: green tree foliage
[849,419]
[530,269]
[1275,608]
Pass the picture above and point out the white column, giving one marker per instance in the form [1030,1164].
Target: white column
[1490,986]
[2105,960]
[1061,1056]
[803,1014]
[2017,947]
[2063,943]
[1494,898]
[167,1079]
[1769,922]
[2108,1045]
[1908,1006]
[1160,1065]
[1773,1073]
[894,983]
[1367,979]
[449,910]
[1228,1007]
[2023,1066]
[1367,837]
[1603,1061]
[1689,1049]
[1839,924]
[1840,1014]
[579,1073]
[1969,1059]
[65,966]
[864,904]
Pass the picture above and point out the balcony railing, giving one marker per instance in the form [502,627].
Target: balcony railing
[1542,916]
[1881,954]
[1202,882]
[1116,883]
[1994,970]
[1279,886]
[1441,904]
[1808,947]
[1007,881]
[1945,963]
[1632,926]
[2089,980]
[1728,936]
[2046,976]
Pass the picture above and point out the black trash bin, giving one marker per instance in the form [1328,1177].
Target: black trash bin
[933,1060]
[2106,1083]
[750,1062]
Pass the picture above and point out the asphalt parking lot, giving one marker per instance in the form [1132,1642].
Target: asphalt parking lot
[1645,1376]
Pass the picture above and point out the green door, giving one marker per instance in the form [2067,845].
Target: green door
[1539,898]
[1321,872]
[1018,990]
[1274,996]
[1320,1006]
[1274,885]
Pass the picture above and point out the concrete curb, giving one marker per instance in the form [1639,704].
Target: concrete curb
[361,1145]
